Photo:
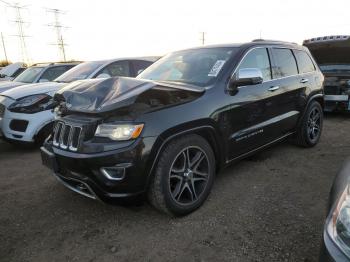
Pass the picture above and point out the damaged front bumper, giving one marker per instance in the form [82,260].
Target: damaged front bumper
[120,173]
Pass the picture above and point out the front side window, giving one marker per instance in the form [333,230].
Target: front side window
[258,58]
[29,75]
[79,72]
[304,62]
[196,66]
[285,64]
[120,68]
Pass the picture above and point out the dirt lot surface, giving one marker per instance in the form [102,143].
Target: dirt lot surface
[270,207]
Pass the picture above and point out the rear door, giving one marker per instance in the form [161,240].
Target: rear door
[289,93]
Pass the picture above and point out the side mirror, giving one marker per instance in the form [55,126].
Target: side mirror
[246,77]
[43,80]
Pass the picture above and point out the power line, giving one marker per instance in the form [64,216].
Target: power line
[58,28]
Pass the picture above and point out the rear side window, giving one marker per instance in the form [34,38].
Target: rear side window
[258,58]
[119,68]
[285,64]
[54,72]
[305,63]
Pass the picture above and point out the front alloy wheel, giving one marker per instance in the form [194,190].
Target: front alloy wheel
[183,176]
[189,175]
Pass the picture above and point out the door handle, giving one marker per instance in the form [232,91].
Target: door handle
[273,88]
[304,80]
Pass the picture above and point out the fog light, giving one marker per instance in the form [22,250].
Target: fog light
[114,173]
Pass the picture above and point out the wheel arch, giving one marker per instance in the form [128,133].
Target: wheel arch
[207,131]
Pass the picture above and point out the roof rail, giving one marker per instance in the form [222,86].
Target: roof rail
[269,40]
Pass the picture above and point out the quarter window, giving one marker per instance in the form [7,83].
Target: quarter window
[305,63]
[285,64]
[258,58]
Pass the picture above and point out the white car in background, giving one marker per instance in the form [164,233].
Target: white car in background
[8,73]
[26,112]
[38,73]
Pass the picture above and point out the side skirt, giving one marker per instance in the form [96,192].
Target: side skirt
[254,151]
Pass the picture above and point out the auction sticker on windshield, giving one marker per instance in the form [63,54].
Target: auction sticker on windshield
[216,68]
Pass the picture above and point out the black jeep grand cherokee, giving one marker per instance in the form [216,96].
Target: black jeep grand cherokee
[166,133]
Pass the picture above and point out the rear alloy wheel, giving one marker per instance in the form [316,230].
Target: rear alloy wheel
[184,176]
[310,128]
[314,124]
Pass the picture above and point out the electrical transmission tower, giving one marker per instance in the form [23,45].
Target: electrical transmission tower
[58,30]
[20,29]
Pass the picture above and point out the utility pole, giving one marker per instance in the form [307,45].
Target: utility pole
[203,38]
[58,29]
[3,46]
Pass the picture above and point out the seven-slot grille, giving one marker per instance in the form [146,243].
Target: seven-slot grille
[67,136]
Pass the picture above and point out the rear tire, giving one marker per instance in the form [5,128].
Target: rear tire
[183,177]
[310,129]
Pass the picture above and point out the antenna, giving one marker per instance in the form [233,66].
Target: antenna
[58,28]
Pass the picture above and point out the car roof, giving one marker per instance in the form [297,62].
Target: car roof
[145,58]
[257,42]
[49,64]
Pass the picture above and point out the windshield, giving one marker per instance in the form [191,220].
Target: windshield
[197,66]
[335,68]
[79,72]
[29,75]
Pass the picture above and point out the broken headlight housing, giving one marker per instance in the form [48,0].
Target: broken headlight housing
[32,104]
[338,226]
[119,132]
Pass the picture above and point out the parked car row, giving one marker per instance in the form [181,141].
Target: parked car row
[9,72]
[26,111]
[165,134]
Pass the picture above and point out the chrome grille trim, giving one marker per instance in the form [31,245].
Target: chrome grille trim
[66,136]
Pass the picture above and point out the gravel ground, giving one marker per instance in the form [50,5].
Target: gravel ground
[270,207]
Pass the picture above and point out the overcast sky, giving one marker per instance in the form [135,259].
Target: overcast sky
[118,28]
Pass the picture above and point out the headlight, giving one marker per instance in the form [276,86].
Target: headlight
[119,132]
[339,224]
[32,104]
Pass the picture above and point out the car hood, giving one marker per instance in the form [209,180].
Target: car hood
[7,85]
[330,52]
[32,89]
[105,95]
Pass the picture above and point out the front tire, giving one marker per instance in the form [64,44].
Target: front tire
[183,176]
[310,128]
